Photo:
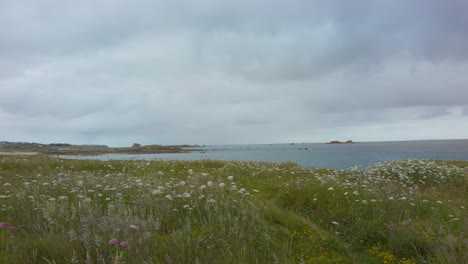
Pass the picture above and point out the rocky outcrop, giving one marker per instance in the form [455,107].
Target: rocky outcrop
[340,142]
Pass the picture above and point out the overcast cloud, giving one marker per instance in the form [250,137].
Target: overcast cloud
[225,72]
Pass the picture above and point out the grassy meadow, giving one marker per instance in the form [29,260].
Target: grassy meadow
[82,211]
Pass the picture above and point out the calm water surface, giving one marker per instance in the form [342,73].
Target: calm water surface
[320,155]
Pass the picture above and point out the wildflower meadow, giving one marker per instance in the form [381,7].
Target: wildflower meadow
[56,210]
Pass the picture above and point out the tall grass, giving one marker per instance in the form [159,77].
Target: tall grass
[70,211]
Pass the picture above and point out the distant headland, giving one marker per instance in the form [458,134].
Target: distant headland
[69,149]
[340,142]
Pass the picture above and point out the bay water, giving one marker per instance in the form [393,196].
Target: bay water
[319,155]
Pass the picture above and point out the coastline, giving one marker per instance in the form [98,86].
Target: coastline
[18,153]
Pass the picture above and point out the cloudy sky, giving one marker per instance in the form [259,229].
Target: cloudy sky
[232,72]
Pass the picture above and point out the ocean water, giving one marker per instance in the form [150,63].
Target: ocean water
[320,155]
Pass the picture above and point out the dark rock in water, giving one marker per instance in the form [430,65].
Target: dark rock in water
[340,142]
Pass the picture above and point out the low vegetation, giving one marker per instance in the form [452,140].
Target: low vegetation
[83,211]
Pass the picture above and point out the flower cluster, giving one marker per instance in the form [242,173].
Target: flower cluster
[9,228]
[115,241]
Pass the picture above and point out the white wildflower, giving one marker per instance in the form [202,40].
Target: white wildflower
[156,192]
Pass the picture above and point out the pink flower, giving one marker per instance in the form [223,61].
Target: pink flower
[113,242]
[124,244]
[4,225]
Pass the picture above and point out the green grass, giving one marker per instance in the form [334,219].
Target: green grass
[66,211]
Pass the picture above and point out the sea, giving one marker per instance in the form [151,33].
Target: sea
[318,155]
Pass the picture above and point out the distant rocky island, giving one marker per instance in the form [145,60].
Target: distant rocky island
[340,142]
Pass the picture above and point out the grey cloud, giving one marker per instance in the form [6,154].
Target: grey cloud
[363,35]
[434,112]
[319,37]
[241,71]
[465,111]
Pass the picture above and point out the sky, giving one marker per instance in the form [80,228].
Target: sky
[117,72]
